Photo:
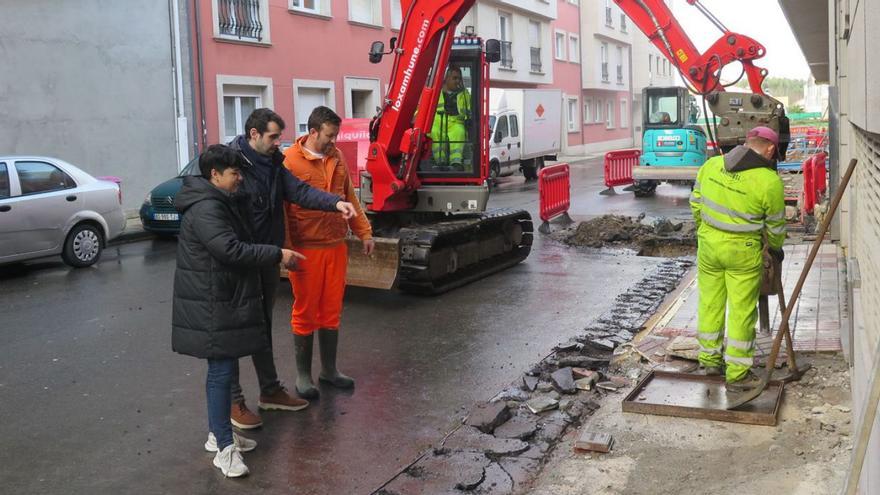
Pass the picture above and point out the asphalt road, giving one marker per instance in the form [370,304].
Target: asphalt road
[93,400]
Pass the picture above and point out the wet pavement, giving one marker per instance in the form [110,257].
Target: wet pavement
[93,400]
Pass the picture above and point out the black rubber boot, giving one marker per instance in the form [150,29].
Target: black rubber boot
[303,346]
[327,343]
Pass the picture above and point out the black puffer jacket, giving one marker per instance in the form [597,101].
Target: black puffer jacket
[217,306]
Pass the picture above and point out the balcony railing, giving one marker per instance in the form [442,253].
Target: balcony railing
[506,54]
[536,58]
[623,23]
[620,74]
[240,19]
[608,16]
[605,71]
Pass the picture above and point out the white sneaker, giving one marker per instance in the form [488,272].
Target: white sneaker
[230,462]
[243,444]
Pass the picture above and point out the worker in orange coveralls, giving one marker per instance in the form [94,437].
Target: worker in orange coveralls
[319,283]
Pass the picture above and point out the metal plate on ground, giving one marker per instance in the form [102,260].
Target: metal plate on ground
[699,396]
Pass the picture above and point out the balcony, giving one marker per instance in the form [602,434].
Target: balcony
[608,16]
[605,72]
[622,23]
[619,74]
[240,19]
[507,54]
[536,58]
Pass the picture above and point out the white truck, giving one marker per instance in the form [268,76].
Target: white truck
[525,129]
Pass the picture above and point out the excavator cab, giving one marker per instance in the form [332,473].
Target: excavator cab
[456,133]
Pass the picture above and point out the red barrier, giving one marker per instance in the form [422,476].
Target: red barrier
[809,186]
[619,167]
[820,174]
[554,191]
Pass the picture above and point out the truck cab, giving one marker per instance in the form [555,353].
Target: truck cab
[504,143]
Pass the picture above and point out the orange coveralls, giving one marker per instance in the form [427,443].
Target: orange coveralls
[319,282]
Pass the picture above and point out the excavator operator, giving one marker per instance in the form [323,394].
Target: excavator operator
[737,200]
[451,122]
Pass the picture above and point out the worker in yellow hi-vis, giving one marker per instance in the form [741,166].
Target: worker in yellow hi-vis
[737,198]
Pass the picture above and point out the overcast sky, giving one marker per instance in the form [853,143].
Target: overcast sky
[761,20]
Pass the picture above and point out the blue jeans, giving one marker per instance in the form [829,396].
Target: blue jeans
[220,399]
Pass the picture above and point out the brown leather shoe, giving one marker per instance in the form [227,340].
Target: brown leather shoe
[243,418]
[283,401]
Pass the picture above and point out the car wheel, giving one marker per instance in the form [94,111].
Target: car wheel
[83,246]
[644,188]
[529,170]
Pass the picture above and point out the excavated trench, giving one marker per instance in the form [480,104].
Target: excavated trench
[643,236]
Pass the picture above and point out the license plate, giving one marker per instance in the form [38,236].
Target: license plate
[166,216]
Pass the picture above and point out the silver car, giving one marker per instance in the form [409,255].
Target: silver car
[50,207]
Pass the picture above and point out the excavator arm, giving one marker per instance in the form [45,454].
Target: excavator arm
[398,133]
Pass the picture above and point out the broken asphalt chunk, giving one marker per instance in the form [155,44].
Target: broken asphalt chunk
[585,383]
[541,404]
[530,382]
[583,361]
[563,381]
[470,439]
[518,427]
[487,417]
[441,474]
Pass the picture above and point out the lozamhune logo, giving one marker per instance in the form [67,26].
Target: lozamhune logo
[407,73]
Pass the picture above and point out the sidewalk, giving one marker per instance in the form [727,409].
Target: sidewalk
[134,231]
[806,453]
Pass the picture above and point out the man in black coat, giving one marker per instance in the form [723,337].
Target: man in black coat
[268,184]
[218,311]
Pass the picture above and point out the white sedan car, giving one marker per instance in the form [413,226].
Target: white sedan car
[50,207]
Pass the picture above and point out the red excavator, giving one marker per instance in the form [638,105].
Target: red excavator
[425,185]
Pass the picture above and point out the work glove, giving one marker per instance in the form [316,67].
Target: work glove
[778,254]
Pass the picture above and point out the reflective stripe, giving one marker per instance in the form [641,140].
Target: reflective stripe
[695,199]
[708,335]
[727,211]
[712,352]
[730,227]
[696,184]
[777,217]
[746,361]
[742,345]
[778,230]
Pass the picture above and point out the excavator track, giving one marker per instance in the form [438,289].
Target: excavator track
[441,256]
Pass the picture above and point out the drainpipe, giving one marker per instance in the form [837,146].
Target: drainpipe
[631,98]
[204,127]
[581,80]
[182,136]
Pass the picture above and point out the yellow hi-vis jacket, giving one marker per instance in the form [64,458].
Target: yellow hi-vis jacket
[746,202]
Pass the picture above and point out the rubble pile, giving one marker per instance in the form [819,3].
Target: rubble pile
[502,444]
[647,235]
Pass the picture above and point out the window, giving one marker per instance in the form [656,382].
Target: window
[560,45]
[650,64]
[504,33]
[588,110]
[361,97]
[4,181]
[502,128]
[657,59]
[241,20]
[308,94]
[624,122]
[514,125]
[237,97]
[535,45]
[609,117]
[622,23]
[574,48]
[608,21]
[572,114]
[318,7]
[396,17]
[598,115]
[619,65]
[603,56]
[365,12]
[665,67]
[40,177]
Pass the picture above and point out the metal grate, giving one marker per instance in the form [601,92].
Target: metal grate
[536,58]
[240,18]
[163,204]
[506,54]
[864,219]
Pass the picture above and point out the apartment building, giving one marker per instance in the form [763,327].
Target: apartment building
[835,37]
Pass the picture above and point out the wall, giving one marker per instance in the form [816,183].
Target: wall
[90,83]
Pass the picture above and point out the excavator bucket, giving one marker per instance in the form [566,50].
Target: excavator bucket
[377,271]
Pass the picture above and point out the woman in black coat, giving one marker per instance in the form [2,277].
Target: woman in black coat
[217,306]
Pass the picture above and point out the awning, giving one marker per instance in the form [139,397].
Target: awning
[809,22]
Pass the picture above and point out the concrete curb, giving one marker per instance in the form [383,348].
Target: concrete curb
[134,232]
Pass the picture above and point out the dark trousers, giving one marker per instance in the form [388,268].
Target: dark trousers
[264,361]
[219,401]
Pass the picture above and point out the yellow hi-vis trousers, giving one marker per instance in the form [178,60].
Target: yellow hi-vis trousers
[729,276]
